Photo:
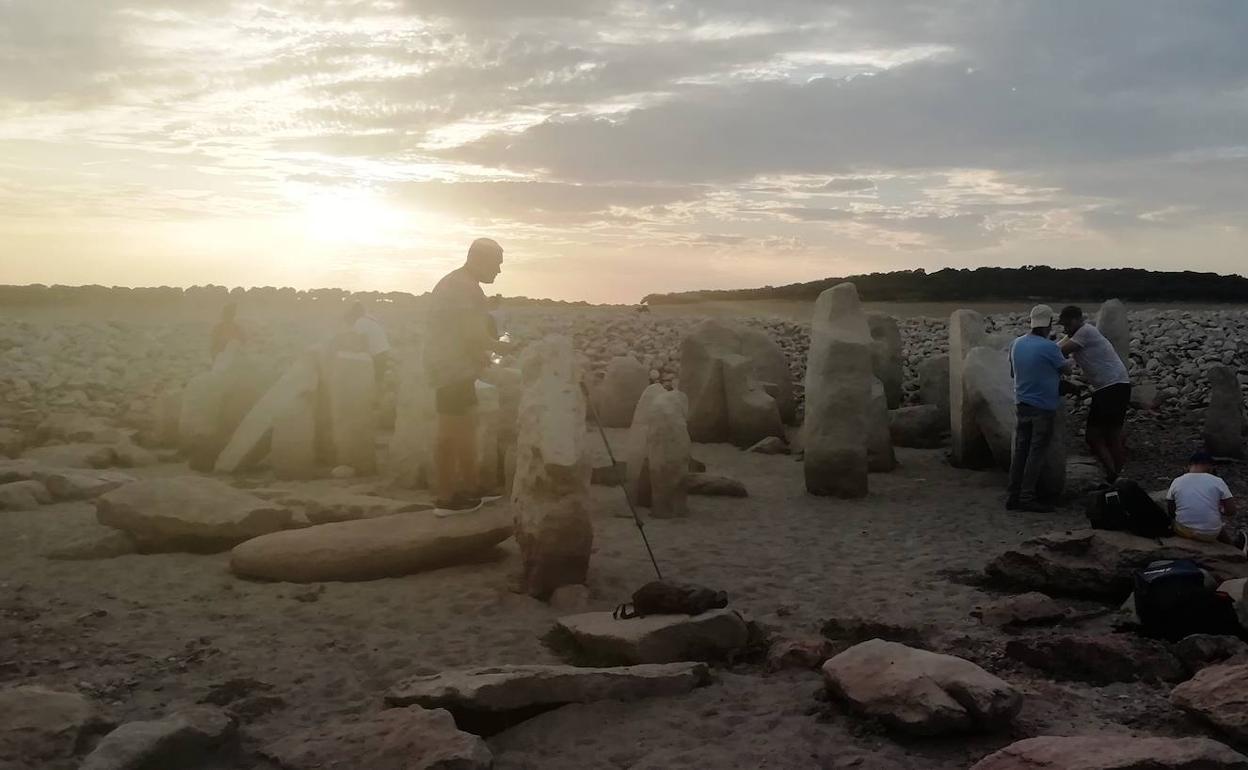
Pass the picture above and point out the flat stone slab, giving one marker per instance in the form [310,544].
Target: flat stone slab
[42,728]
[95,541]
[518,688]
[189,513]
[179,740]
[80,483]
[713,635]
[1114,752]
[370,549]
[1217,695]
[346,506]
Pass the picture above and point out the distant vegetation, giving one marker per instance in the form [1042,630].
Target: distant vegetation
[1000,283]
[37,294]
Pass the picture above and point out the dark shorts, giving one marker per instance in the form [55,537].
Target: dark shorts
[1109,407]
[458,398]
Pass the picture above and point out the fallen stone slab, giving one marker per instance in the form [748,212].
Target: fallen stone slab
[41,727]
[920,692]
[345,506]
[925,426]
[1114,752]
[1216,695]
[395,739]
[853,630]
[483,699]
[189,513]
[1100,563]
[23,495]
[1029,609]
[81,484]
[371,549]
[710,485]
[73,455]
[1099,660]
[18,470]
[97,542]
[599,637]
[180,740]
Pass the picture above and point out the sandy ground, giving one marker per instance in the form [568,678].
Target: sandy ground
[145,634]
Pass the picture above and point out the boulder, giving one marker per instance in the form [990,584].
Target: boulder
[838,396]
[96,542]
[475,695]
[411,448]
[188,513]
[550,493]
[1199,651]
[702,377]
[1101,563]
[988,394]
[395,739]
[23,495]
[1100,659]
[711,485]
[771,368]
[617,395]
[1029,609]
[80,484]
[213,404]
[1145,396]
[251,439]
[352,401]
[1224,418]
[73,427]
[180,740]
[42,728]
[1111,321]
[772,445]
[570,599]
[934,384]
[657,453]
[801,654]
[129,455]
[752,413]
[968,448]
[880,455]
[73,456]
[292,440]
[1216,695]
[599,637]
[921,427]
[920,692]
[886,355]
[371,549]
[1114,752]
[19,470]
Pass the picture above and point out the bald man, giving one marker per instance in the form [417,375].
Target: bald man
[458,342]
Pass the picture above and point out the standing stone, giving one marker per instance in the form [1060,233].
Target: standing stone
[886,355]
[213,404]
[352,398]
[616,396]
[1224,418]
[752,413]
[292,446]
[968,448]
[702,379]
[165,413]
[411,447]
[838,395]
[772,368]
[489,461]
[251,440]
[550,494]
[657,453]
[1111,321]
[880,455]
[989,400]
[934,383]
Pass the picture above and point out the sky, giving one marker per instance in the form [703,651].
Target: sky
[615,148]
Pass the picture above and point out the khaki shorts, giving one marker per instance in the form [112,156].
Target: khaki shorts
[1191,534]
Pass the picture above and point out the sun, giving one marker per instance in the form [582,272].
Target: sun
[351,216]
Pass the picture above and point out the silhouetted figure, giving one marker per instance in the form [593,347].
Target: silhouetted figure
[375,340]
[226,331]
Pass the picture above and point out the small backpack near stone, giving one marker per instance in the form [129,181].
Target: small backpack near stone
[1128,508]
[1177,597]
[662,598]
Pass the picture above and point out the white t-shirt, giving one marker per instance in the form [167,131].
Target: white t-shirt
[1097,358]
[374,335]
[1198,501]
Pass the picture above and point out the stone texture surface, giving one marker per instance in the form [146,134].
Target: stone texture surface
[23,495]
[1114,752]
[921,427]
[752,414]
[370,549]
[352,400]
[1111,320]
[933,383]
[968,448]
[80,484]
[410,456]
[1224,418]
[920,692]
[887,352]
[1216,695]
[880,455]
[712,485]
[94,542]
[1029,609]
[989,396]
[617,394]
[713,635]
[182,739]
[251,440]
[41,728]
[657,452]
[1098,659]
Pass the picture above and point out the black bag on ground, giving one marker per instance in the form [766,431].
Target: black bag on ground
[1128,508]
[662,598]
[1177,598]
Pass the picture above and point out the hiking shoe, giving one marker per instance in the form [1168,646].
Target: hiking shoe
[1035,507]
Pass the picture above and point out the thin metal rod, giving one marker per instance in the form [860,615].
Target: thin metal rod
[641,527]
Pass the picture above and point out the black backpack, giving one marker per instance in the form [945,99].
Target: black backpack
[1127,507]
[1177,598]
[663,598]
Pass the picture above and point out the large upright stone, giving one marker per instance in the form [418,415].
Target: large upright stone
[771,368]
[292,445]
[213,405]
[886,355]
[616,396]
[550,494]
[489,459]
[251,439]
[880,455]
[988,393]
[1111,321]
[838,395]
[968,449]
[411,447]
[352,400]
[657,453]
[1224,418]
[702,376]
[752,412]
[165,413]
[934,383]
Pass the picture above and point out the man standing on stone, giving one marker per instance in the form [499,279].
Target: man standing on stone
[1036,363]
[458,342]
[1111,389]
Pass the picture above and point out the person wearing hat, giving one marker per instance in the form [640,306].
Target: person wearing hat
[1202,506]
[1111,389]
[1036,364]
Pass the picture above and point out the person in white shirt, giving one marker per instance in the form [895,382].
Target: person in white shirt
[375,341]
[1111,389]
[1201,504]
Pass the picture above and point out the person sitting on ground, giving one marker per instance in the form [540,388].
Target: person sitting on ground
[1111,390]
[458,343]
[226,331]
[1036,364]
[375,340]
[1202,506]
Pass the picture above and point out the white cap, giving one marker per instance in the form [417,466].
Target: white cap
[1041,316]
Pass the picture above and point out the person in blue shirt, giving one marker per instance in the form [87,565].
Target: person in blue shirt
[1037,364]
